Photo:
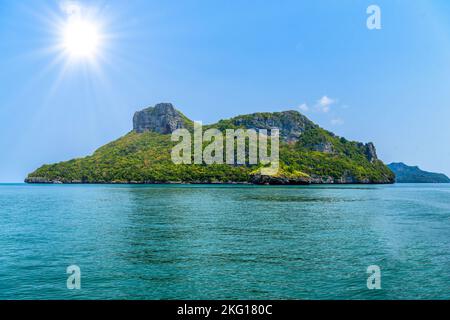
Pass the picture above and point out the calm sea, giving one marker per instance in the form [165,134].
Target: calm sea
[224,242]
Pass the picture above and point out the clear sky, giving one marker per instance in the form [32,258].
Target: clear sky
[216,59]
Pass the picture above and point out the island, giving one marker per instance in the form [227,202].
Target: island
[413,174]
[309,154]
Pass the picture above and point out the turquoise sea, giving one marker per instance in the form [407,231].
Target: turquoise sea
[224,242]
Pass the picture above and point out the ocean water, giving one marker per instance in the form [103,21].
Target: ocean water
[224,242]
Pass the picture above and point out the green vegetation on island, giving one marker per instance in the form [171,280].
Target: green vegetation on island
[308,154]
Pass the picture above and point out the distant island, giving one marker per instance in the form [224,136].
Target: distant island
[413,174]
[308,155]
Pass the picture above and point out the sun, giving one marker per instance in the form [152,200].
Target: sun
[81,38]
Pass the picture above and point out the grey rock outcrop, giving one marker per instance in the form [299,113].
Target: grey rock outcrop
[290,123]
[370,152]
[325,147]
[38,180]
[277,180]
[162,118]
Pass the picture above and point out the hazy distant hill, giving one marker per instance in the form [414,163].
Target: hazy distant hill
[413,174]
[308,154]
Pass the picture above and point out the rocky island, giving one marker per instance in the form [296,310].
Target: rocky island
[413,174]
[309,154]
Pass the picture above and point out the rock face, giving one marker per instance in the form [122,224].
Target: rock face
[370,152]
[291,123]
[38,180]
[325,147]
[279,180]
[162,118]
[413,174]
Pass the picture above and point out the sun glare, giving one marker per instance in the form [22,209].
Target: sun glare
[81,38]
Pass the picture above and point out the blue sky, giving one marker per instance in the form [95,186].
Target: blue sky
[216,59]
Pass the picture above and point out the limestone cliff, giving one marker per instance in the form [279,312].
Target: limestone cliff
[162,118]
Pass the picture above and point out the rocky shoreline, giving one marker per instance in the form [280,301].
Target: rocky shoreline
[260,180]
